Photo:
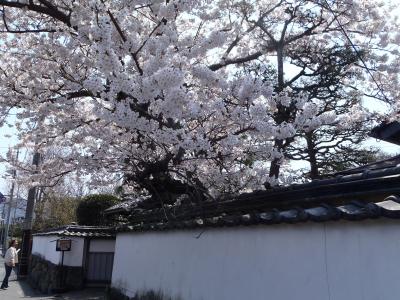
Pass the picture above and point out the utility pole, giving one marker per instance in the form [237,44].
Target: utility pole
[27,232]
[10,204]
[3,224]
[15,213]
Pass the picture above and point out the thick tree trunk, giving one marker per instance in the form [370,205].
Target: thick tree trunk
[275,164]
[281,116]
[312,154]
[279,52]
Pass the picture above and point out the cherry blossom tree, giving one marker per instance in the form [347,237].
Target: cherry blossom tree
[149,91]
[332,69]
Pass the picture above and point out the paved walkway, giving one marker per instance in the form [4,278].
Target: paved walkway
[22,290]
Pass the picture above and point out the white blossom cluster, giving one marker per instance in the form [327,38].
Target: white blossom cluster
[124,83]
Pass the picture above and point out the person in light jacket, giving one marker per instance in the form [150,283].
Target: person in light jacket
[10,259]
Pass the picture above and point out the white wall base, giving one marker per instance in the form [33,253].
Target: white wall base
[309,261]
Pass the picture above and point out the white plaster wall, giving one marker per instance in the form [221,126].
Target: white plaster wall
[102,246]
[74,258]
[310,261]
[45,247]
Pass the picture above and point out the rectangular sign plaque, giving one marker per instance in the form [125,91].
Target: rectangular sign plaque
[63,245]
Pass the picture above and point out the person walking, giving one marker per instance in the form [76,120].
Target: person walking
[10,260]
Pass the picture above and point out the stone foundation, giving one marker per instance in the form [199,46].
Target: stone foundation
[46,276]
[115,294]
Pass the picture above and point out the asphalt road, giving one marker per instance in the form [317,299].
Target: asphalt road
[22,290]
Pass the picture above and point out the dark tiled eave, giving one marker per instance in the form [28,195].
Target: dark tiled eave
[79,231]
[353,211]
[387,131]
[391,162]
[125,207]
[365,187]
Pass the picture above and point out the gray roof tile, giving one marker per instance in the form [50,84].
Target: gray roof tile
[353,211]
[80,231]
[357,195]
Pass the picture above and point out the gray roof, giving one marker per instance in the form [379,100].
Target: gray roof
[391,162]
[363,194]
[126,206]
[352,211]
[79,231]
[387,131]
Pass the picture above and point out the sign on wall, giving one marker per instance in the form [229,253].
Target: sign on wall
[63,245]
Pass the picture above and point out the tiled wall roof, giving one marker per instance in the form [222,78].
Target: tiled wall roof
[80,231]
[356,196]
[354,210]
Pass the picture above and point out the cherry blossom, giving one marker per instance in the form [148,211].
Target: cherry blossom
[154,93]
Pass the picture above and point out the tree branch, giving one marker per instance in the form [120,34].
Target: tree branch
[49,9]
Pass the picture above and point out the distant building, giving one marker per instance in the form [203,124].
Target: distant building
[88,262]
[17,211]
